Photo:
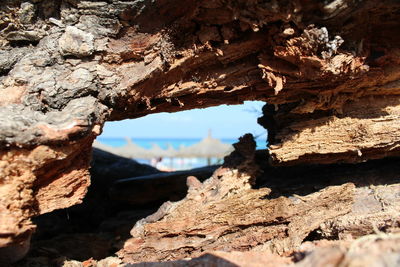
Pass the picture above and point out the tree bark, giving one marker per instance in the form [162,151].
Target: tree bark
[373,251]
[225,213]
[68,66]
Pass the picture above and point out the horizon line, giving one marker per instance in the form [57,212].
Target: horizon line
[187,138]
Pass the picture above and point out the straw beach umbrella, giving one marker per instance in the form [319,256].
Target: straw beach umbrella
[100,145]
[132,150]
[208,147]
[157,152]
[171,151]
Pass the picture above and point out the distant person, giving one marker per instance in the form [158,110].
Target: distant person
[161,166]
[155,161]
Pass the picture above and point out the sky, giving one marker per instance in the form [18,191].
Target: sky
[223,121]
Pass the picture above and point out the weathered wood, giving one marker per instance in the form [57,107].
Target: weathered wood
[27,188]
[373,250]
[244,215]
[68,66]
[376,250]
[225,213]
[126,66]
[367,128]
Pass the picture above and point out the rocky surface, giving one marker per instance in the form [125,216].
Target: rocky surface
[328,70]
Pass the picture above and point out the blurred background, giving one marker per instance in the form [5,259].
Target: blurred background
[184,140]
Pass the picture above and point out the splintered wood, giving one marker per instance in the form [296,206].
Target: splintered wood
[225,213]
[367,128]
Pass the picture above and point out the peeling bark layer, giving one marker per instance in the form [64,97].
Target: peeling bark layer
[116,61]
[225,213]
[373,251]
[38,181]
[367,128]
[68,66]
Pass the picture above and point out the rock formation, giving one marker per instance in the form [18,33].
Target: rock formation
[328,70]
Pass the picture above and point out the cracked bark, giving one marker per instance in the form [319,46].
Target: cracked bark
[329,70]
[290,206]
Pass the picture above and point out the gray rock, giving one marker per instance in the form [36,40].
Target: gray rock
[76,42]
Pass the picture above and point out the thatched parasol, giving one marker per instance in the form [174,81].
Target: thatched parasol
[208,147]
[132,150]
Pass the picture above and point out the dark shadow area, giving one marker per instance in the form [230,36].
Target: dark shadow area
[95,227]
[155,189]
[122,191]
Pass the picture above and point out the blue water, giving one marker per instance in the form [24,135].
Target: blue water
[171,163]
[164,142]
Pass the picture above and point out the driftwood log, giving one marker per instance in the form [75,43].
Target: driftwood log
[328,70]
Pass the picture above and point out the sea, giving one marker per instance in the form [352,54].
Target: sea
[170,164]
[164,142]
